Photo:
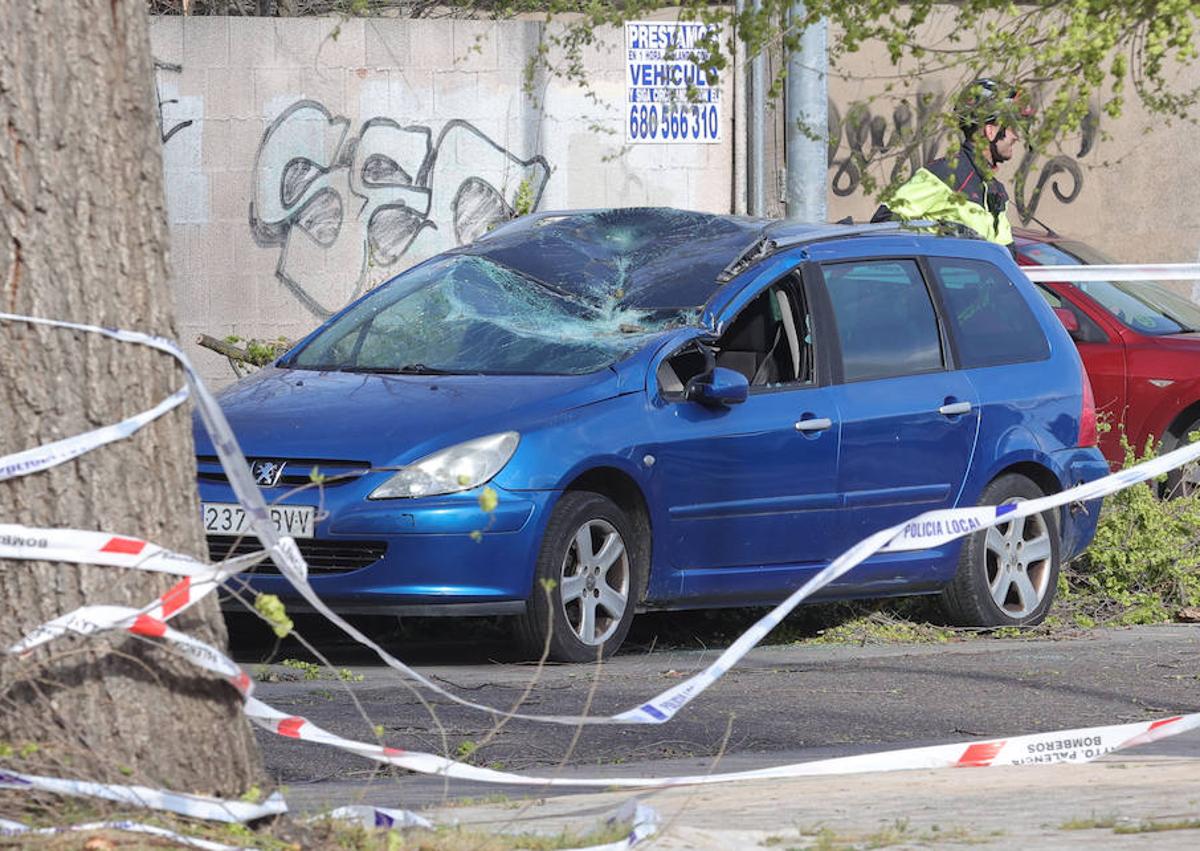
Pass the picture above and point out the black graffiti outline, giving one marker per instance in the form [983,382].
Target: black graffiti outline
[910,140]
[1054,168]
[165,135]
[915,148]
[409,222]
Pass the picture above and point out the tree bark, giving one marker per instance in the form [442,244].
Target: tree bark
[83,237]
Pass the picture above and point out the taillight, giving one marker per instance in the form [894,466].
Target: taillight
[1087,416]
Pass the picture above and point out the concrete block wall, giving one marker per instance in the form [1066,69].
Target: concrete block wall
[309,159]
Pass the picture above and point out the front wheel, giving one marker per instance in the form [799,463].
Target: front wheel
[1008,573]
[585,582]
[1185,480]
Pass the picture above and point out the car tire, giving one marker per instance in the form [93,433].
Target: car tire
[1008,573]
[585,582]
[1182,481]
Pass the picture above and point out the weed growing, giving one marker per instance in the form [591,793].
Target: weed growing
[1144,565]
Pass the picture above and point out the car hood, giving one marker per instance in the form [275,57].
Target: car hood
[389,419]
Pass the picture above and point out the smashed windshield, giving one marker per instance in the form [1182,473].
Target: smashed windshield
[467,314]
[1147,307]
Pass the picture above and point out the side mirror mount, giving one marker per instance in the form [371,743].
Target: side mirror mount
[1069,321]
[718,388]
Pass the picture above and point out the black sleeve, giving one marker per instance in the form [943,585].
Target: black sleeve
[883,214]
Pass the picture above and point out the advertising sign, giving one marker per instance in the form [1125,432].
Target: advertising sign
[669,97]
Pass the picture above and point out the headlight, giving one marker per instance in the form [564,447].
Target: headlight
[456,468]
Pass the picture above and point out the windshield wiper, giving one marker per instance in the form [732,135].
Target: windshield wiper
[422,369]
[407,369]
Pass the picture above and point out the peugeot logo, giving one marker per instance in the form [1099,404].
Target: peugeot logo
[266,473]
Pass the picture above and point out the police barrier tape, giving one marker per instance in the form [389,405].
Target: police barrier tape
[1082,745]
[14,828]
[1123,272]
[922,532]
[643,823]
[52,454]
[72,545]
[193,806]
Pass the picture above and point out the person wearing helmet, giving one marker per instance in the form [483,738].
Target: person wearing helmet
[962,187]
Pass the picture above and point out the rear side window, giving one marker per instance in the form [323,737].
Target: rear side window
[995,325]
[885,320]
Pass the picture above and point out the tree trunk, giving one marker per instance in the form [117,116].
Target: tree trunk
[83,237]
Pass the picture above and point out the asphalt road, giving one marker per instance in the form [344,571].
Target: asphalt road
[781,704]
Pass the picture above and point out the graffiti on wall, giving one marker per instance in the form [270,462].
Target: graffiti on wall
[332,199]
[899,143]
[909,137]
[167,125]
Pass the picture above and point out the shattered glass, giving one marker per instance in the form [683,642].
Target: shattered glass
[651,258]
[468,314]
[565,294]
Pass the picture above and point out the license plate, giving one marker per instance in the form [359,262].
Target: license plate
[229,518]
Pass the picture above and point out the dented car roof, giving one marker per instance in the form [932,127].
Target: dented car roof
[645,258]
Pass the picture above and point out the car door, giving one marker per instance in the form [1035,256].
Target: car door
[909,422]
[748,492]
[1104,359]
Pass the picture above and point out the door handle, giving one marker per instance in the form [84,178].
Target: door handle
[954,409]
[814,424]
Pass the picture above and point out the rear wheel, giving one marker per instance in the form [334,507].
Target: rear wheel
[1182,481]
[585,581]
[1008,573]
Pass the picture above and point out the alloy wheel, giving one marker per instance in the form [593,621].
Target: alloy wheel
[595,581]
[1019,556]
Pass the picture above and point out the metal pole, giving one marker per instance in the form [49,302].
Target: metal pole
[807,123]
[740,113]
[756,143]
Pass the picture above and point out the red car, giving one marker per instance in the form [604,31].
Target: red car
[1140,344]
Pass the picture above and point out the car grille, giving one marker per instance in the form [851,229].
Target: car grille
[325,555]
[297,473]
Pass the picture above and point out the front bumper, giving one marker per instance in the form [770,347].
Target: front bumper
[437,555]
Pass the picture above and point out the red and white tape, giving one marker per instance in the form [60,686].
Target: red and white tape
[101,548]
[921,532]
[1060,746]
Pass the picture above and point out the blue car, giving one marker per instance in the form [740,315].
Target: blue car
[587,414]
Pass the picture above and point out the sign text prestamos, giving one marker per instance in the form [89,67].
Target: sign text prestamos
[668,96]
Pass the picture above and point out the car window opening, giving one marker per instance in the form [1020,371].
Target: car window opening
[769,342]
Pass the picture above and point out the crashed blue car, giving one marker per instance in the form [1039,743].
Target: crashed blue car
[583,415]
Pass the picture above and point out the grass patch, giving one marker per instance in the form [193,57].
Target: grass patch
[898,832]
[455,838]
[1129,826]
[1158,826]
[282,834]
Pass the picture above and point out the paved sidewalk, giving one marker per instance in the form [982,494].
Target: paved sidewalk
[990,808]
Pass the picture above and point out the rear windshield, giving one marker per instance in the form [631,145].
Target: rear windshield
[470,315]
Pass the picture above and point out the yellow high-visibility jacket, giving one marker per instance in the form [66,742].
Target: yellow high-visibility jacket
[953,189]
